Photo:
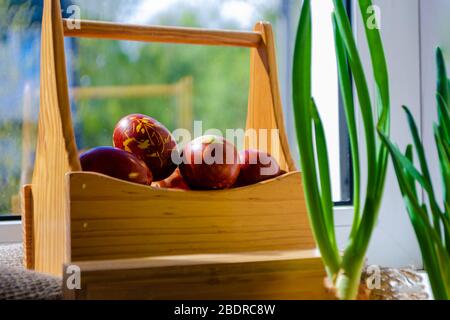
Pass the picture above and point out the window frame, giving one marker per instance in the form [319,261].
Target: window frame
[10,217]
[346,164]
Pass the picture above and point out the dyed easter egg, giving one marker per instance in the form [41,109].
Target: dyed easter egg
[256,166]
[210,163]
[116,163]
[148,140]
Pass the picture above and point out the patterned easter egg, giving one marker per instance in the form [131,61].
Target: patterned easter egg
[148,140]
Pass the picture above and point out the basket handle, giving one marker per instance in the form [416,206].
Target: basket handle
[264,101]
[115,31]
[264,110]
[56,150]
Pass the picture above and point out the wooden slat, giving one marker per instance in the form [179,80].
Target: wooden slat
[264,107]
[113,219]
[123,91]
[27,227]
[255,275]
[184,101]
[56,152]
[181,90]
[115,31]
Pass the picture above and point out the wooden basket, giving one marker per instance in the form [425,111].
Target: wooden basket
[135,241]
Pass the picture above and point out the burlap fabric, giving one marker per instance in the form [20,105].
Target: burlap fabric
[16,283]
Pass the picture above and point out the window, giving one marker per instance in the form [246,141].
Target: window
[111,63]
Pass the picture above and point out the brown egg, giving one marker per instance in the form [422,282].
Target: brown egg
[256,166]
[116,163]
[149,140]
[210,162]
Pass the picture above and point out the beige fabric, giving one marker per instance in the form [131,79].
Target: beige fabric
[16,283]
[11,256]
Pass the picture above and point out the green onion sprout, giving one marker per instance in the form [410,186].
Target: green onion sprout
[344,270]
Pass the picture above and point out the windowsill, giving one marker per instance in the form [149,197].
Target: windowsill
[343,219]
[10,231]
[343,216]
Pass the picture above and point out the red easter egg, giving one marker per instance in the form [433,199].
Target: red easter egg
[210,162]
[256,166]
[116,163]
[149,140]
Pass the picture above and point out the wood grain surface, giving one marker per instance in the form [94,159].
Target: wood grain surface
[264,107]
[115,31]
[255,275]
[56,151]
[113,219]
[27,227]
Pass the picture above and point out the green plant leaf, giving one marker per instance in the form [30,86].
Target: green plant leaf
[349,108]
[376,157]
[419,220]
[418,214]
[409,154]
[435,249]
[429,252]
[379,64]
[324,173]
[444,164]
[379,67]
[345,273]
[424,167]
[443,117]
[345,31]
[418,144]
[442,82]
[303,120]
[404,166]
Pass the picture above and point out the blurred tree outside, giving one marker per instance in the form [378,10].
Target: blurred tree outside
[220,85]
